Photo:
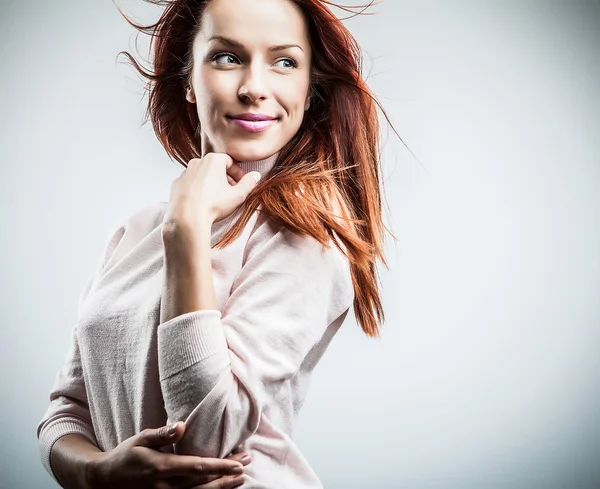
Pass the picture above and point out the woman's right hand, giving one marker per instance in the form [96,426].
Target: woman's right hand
[137,464]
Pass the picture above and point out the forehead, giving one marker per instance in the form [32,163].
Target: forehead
[255,22]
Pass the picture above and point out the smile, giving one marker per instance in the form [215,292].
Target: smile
[253,126]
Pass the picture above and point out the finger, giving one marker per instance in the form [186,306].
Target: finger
[192,466]
[231,181]
[247,183]
[242,457]
[236,172]
[217,466]
[158,437]
[223,483]
[186,482]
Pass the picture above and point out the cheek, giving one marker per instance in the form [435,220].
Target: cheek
[294,97]
[213,92]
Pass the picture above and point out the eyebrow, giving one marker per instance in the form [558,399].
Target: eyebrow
[236,44]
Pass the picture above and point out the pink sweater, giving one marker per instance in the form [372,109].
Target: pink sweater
[237,375]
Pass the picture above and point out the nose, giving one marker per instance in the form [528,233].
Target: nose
[253,85]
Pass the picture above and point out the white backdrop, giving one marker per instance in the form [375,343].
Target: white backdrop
[486,375]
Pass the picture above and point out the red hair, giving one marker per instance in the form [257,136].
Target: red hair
[326,182]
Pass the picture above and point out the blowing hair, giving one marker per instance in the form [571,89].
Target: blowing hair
[326,180]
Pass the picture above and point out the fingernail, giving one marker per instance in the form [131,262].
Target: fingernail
[173,428]
[237,470]
[246,460]
[256,176]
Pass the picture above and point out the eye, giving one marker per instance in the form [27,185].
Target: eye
[220,55]
[290,60]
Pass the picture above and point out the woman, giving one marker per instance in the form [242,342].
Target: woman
[213,309]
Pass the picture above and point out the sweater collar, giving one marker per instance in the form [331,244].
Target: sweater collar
[261,166]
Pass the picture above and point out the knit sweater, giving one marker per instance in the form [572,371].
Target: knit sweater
[237,375]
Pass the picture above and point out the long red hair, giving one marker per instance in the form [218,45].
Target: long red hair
[326,182]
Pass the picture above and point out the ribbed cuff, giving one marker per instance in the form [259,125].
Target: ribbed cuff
[188,339]
[64,426]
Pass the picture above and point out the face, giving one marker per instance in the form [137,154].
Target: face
[242,65]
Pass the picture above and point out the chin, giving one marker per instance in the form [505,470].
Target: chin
[250,152]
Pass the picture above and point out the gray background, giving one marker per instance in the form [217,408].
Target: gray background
[486,375]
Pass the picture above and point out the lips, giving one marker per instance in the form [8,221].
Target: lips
[253,126]
[252,121]
[249,116]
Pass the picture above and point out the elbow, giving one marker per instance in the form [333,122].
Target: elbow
[222,421]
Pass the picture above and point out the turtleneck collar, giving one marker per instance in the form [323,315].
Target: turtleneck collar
[261,166]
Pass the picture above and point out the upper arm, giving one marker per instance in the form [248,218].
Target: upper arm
[289,290]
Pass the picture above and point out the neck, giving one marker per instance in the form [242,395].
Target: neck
[262,166]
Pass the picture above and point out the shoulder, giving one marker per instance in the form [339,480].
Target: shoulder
[144,219]
[130,228]
[268,236]
[124,232]
[273,251]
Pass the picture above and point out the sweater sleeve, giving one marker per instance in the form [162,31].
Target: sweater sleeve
[68,411]
[220,370]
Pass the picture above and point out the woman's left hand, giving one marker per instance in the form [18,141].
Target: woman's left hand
[211,187]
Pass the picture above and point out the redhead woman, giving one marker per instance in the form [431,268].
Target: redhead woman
[209,312]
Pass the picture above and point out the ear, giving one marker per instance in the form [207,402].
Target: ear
[307,103]
[189,95]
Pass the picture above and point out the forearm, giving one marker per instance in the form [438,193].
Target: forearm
[70,459]
[189,287]
[188,284]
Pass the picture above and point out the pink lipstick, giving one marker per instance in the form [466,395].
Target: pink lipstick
[253,126]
